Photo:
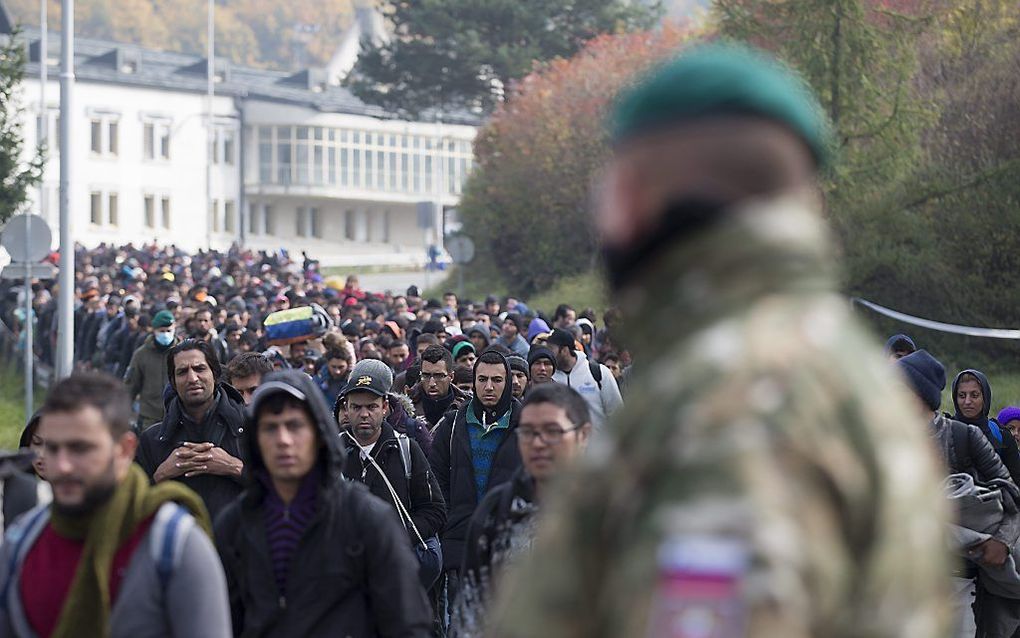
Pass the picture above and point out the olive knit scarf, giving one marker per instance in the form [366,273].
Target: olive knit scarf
[86,610]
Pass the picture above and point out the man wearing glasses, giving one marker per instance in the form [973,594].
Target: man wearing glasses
[435,395]
[554,429]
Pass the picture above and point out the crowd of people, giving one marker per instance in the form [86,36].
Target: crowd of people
[433,405]
[249,448]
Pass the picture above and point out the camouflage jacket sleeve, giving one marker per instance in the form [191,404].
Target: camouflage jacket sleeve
[804,455]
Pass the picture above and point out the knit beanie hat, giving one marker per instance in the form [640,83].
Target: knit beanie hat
[926,376]
[163,319]
[459,348]
[540,352]
[517,363]
[1009,413]
[900,342]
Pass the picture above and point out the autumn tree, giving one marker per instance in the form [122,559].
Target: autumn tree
[527,203]
[460,54]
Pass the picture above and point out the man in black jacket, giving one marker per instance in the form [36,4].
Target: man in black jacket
[554,430]
[972,399]
[435,395]
[381,458]
[200,440]
[305,552]
[474,450]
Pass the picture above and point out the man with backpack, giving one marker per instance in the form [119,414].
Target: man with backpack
[307,553]
[594,381]
[392,466]
[112,555]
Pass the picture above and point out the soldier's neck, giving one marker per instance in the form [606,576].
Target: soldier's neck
[765,248]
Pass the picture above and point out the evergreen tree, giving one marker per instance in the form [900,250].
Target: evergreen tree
[463,54]
[16,177]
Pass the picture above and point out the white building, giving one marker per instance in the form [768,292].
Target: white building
[298,162]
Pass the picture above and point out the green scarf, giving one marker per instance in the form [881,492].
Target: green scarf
[86,610]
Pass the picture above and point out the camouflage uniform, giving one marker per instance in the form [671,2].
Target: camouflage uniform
[771,422]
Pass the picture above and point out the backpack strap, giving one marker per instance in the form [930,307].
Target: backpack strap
[405,454]
[167,536]
[596,372]
[996,431]
[18,535]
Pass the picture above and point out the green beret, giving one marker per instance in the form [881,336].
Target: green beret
[162,319]
[460,347]
[721,79]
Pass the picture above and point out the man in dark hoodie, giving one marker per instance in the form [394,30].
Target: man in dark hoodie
[474,450]
[199,442]
[307,553]
[972,399]
[435,394]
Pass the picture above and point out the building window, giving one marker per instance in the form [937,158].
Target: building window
[150,211]
[316,222]
[349,225]
[301,220]
[269,220]
[229,208]
[113,212]
[97,136]
[265,154]
[52,140]
[156,140]
[166,213]
[96,209]
[283,155]
[214,215]
[301,150]
[386,227]
[104,133]
[111,138]
[253,219]
[223,145]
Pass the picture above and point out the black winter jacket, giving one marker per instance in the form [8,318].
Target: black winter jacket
[421,496]
[965,449]
[501,527]
[353,573]
[1007,448]
[451,462]
[223,427]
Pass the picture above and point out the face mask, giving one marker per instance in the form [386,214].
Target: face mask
[165,338]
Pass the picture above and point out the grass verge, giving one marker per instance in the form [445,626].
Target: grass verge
[12,405]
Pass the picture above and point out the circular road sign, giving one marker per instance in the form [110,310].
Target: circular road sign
[27,238]
[461,249]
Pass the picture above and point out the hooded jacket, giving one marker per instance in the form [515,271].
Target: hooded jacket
[420,494]
[603,397]
[146,377]
[423,406]
[223,427]
[452,464]
[353,573]
[1003,444]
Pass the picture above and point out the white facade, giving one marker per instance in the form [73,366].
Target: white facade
[296,165]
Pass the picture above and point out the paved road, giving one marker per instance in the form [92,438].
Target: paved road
[399,281]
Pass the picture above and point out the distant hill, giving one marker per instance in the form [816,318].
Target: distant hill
[281,35]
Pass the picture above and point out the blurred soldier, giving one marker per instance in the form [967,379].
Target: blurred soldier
[767,476]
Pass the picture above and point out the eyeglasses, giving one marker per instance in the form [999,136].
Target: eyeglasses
[549,435]
[428,377]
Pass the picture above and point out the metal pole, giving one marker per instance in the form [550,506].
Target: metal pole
[29,346]
[44,119]
[210,71]
[65,319]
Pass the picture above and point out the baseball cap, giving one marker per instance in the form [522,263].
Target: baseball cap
[370,375]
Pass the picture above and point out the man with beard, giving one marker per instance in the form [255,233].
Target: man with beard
[767,474]
[435,394]
[204,331]
[111,556]
[474,450]
[518,375]
[972,398]
[200,442]
[146,373]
